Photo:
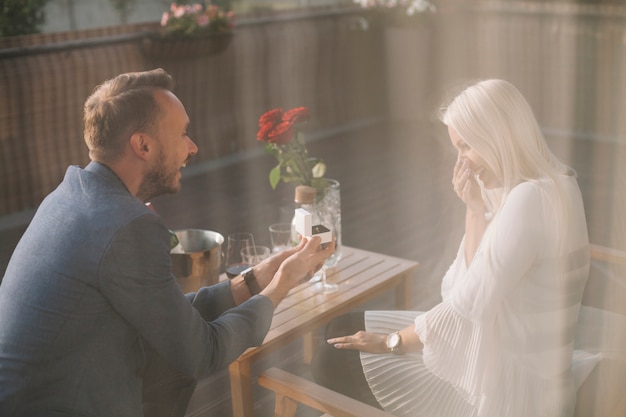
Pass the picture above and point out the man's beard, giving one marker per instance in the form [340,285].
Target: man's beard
[158,182]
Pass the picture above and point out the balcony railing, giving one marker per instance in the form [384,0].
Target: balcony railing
[566,58]
[317,58]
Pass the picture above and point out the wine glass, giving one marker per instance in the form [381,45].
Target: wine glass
[237,242]
[323,285]
[252,255]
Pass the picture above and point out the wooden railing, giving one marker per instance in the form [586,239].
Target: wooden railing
[314,58]
[563,56]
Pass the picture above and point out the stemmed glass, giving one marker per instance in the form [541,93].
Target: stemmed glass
[237,243]
[323,285]
[252,255]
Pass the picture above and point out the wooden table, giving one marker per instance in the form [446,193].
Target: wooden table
[361,276]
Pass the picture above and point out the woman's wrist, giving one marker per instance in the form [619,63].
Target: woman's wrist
[477,211]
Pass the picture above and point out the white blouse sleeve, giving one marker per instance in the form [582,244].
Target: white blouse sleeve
[494,332]
[455,333]
[515,239]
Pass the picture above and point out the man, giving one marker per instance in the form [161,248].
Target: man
[92,321]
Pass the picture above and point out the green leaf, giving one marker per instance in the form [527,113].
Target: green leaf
[173,240]
[271,149]
[275,176]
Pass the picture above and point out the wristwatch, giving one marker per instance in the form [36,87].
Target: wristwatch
[250,280]
[393,342]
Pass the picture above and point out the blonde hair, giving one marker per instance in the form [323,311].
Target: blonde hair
[120,107]
[495,120]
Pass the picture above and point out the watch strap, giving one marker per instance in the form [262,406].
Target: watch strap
[251,282]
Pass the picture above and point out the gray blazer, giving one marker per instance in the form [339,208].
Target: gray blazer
[88,283]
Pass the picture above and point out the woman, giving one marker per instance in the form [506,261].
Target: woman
[501,341]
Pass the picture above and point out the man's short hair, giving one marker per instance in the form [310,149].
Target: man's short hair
[121,107]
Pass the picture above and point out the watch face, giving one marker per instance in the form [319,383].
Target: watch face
[393,340]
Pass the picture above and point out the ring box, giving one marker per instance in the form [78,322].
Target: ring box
[304,226]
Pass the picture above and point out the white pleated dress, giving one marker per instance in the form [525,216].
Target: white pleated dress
[501,341]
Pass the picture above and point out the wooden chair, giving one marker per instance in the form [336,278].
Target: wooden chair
[291,389]
[602,328]
[608,255]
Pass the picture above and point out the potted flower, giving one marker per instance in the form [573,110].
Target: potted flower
[283,137]
[191,30]
[399,12]
[281,131]
[197,20]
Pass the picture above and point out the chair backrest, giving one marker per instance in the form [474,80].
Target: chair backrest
[606,286]
[602,328]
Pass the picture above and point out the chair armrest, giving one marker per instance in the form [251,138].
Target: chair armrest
[609,255]
[291,390]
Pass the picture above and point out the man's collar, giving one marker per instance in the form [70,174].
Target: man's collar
[103,170]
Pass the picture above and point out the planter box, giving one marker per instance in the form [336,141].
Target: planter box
[159,47]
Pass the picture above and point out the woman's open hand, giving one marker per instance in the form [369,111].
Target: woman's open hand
[362,341]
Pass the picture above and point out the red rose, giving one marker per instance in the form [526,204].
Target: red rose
[264,130]
[279,130]
[282,134]
[296,115]
[267,123]
[272,116]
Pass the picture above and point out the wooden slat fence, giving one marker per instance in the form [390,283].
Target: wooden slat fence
[315,59]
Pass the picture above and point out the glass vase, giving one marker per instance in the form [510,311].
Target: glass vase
[329,209]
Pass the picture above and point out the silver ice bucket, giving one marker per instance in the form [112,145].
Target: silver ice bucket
[199,263]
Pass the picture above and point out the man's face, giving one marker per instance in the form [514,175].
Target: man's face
[172,148]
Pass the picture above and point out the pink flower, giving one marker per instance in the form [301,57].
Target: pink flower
[179,11]
[196,18]
[203,20]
